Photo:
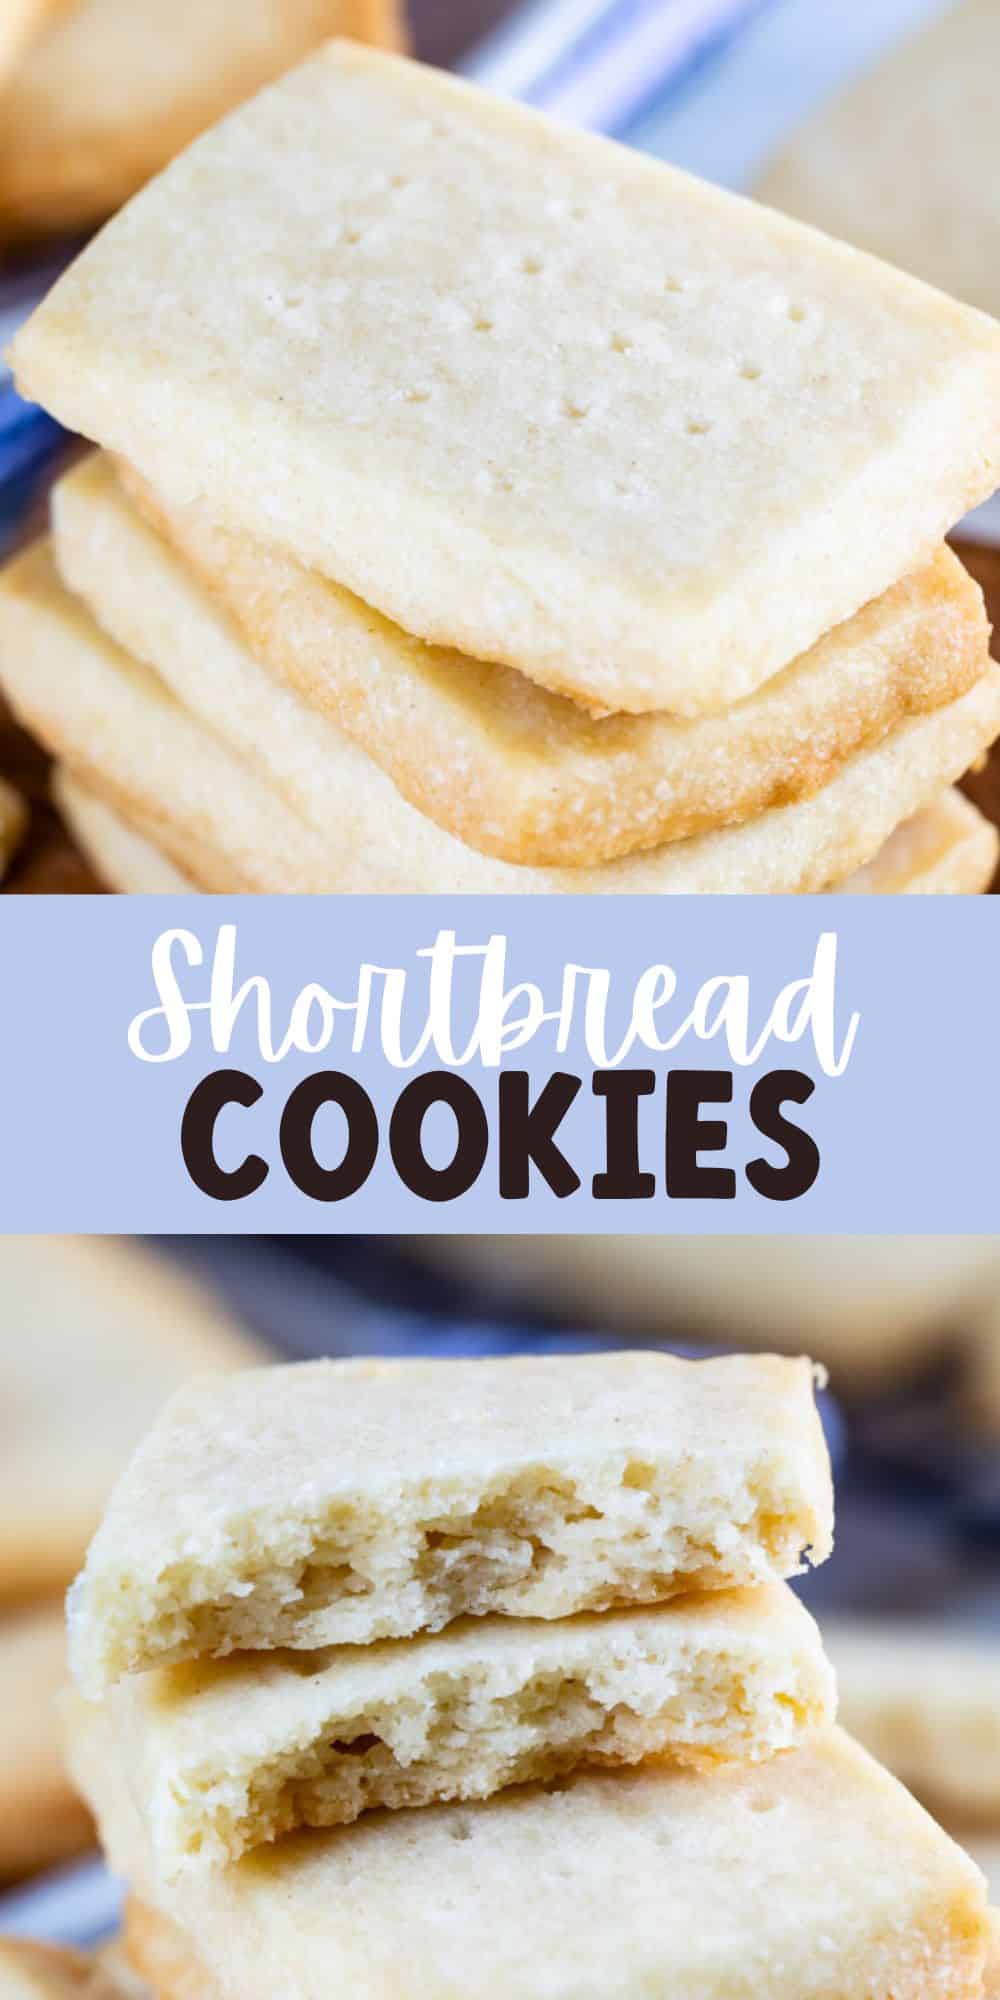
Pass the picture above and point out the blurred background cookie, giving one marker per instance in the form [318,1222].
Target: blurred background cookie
[19,21]
[107,91]
[927,1704]
[873,1309]
[41,1819]
[94,1334]
[904,163]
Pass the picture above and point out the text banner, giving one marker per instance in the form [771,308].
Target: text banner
[501,1064]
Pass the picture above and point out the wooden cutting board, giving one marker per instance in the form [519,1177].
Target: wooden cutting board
[49,864]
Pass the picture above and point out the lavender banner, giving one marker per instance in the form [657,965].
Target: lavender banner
[512,1064]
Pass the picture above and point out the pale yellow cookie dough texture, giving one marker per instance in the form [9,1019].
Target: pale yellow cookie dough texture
[905,162]
[445,1589]
[340,1502]
[225,1755]
[815,1877]
[98,95]
[948,849]
[517,514]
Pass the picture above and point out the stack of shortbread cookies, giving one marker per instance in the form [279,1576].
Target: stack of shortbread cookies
[486,507]
[484,1677]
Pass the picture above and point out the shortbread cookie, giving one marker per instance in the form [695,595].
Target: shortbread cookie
[527,775]
[159,1952]
[119,853]
[927,1704]
[123,731]
[985,1852]
[159,1947]
[94,1334]
[30,1971]
[13,823]
[531,395]
[905,163]
[224,1755]
[332,1503]
[20,20]
[111,91]
[42,1819]
[947,849]
[877,1307]
[928,635]
[116,1979]
[815,1877]
[950,849]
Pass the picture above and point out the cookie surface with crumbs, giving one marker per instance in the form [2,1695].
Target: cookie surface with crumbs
[337,1502]
[225,1755]
[815,1877]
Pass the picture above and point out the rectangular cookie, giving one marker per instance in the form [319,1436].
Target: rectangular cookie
[952,848]
[300,808]
[105,96]
[949,849]
[815,1877]
[926,1702]
[533,396]
[161,1948]
[94,1334]
[225,1755]
[119,852]
[332,1503]
[523,774]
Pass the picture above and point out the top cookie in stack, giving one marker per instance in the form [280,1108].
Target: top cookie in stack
[332,1503]
[601,509]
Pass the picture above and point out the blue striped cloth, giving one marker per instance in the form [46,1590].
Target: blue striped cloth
[28,438]
[712,84]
